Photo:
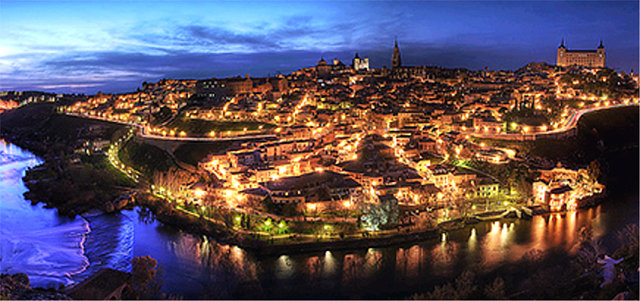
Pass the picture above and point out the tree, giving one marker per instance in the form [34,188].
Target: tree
[463,289]
[444,292]
[594,170]
[146,281]
[495,290]
[464,285]
[463,206]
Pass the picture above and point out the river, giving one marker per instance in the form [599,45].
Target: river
[56,250]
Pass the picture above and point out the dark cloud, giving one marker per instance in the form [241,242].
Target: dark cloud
[195,49]
[122,72]
[211,36]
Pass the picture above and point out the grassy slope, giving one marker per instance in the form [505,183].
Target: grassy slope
[194,152]
[616,128]
[39,126]
[145,158]
[203,127]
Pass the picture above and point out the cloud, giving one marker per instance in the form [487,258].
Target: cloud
[68,86]
[120,57]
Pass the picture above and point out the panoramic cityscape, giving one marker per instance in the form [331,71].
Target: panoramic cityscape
[319,150]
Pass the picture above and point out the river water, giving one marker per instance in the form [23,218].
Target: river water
[56,250]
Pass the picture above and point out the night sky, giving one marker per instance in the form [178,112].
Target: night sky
[113,46]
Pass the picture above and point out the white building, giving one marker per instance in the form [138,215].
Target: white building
[360,64]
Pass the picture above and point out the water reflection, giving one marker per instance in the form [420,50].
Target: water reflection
[329,264]
[352,269]
[372,262]
[472,240]
[34,240]
[285,267]
[313,268]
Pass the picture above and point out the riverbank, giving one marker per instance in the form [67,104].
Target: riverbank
[297,244]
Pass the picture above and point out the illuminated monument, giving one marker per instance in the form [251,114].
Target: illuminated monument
[360,63]
[396,62]
[586,58]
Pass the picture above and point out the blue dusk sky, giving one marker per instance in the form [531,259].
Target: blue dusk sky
[113,46]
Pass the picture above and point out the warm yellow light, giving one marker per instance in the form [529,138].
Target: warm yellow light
[311,207]
[199,193]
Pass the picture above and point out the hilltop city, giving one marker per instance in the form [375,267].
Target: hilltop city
[337,152]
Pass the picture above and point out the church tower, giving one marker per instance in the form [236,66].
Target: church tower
[396,62]
[602,56]
[561,59]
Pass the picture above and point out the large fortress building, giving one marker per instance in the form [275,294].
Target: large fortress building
[587,58]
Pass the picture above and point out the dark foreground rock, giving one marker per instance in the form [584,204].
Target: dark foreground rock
[18,287]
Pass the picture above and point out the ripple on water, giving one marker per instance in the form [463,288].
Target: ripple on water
[34,240]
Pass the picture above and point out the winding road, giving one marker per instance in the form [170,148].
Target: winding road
[144,134]
[570,124]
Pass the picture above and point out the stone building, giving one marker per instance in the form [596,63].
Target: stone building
[587,58]
[360,63]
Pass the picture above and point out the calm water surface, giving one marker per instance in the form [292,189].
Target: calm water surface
[53,250]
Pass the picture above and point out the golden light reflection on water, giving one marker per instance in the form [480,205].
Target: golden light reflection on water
[284,267]
[571,226]
[486,244]
[597,223]
[557,233]
[443,256]
[313,267]
[473,240]
[492,245]
[222,259]
[329,264]
[409,262]
[352,268]
[372,261]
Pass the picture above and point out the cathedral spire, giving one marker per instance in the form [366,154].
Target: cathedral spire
[396,61]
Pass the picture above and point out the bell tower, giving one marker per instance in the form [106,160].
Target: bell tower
[396,61]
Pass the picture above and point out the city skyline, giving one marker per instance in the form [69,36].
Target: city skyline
[113,47]
[362,149]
